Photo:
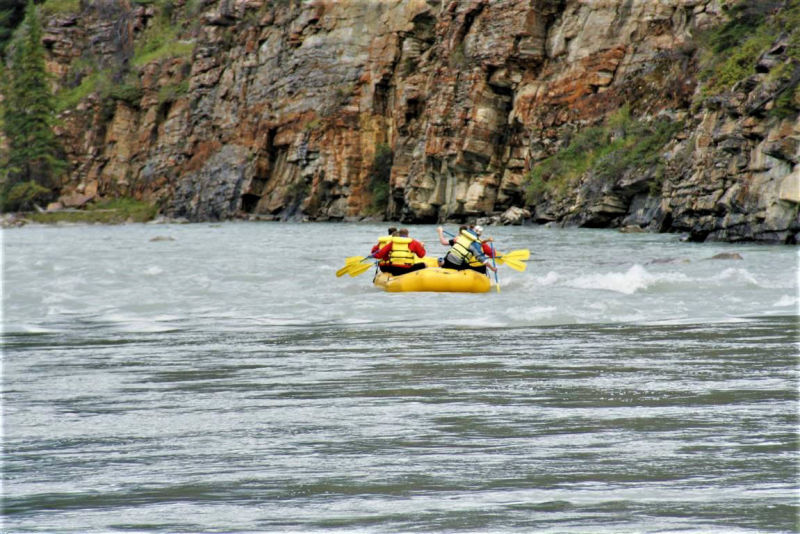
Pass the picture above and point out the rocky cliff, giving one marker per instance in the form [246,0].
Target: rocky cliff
[603,113]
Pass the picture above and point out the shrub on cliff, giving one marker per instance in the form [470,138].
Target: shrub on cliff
[23,196]
[161,40]
[61,6]
[733,49]
[640,149]
[555,174]
[621,145]
[33,156]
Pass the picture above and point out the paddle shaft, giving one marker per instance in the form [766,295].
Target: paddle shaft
[494,264]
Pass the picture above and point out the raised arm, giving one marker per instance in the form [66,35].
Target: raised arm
[442,239]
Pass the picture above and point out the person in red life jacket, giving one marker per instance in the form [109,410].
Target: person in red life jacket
[384,240]
[467,251]
[473,262]
[402,254]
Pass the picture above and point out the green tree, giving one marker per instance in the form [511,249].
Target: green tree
[32,163]
[11,12]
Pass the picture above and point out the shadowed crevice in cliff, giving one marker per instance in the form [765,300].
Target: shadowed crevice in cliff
[214,191]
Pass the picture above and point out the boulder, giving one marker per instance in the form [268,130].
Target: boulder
[515,216]
[726,256]
[74,200]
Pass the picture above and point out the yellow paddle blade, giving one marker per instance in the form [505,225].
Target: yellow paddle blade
[344,270]
[349,263]
[520,254]
[361,268]
[517,265]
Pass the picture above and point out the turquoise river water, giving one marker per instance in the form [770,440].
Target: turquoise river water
[221,378]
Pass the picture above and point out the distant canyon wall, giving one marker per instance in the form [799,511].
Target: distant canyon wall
[281,107]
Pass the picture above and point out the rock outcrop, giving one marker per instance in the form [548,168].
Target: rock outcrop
[277,109]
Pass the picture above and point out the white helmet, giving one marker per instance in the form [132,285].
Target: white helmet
[478,229]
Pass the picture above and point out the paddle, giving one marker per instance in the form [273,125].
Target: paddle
[353,262]
[361,268]
[517,265]
[494,264]
[515,255]
[346,269]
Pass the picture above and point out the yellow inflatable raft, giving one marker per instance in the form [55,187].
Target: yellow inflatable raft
[435,279]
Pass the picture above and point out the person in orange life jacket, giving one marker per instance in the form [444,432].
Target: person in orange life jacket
[400,254]
[467,251]
[382,242]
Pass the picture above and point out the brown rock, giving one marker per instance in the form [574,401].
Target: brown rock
[75,200]
[726,256]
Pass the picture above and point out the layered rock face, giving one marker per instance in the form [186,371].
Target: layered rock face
[281,108]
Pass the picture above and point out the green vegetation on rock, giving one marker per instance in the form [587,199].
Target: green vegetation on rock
[555,174]
[115,211]
[23,196]
[161,40]
[121,82]
[620,145]
[171,92]
[54,7]
[732,50]
[129,90]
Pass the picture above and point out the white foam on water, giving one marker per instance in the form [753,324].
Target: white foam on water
[56,298]
[549,279]
[539,315]
[735,275]
[786,301]
[129,322]
[28,328]
[634,279]
[637,279]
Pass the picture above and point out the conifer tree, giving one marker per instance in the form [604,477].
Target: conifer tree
[32,163]
[11,12]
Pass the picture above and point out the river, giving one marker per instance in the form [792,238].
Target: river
[221,378]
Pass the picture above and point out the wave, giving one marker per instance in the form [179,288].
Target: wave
[638,279]
[786,301]
[740,276]
[635,279]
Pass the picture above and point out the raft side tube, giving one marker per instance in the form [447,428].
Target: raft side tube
[435,279]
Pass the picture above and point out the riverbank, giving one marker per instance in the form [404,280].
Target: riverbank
[116,211]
